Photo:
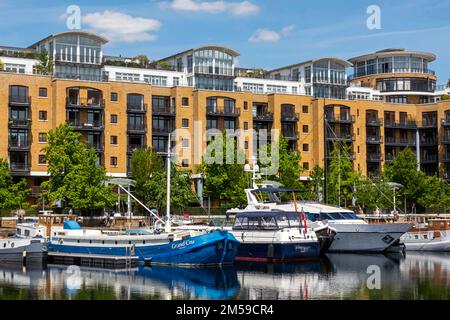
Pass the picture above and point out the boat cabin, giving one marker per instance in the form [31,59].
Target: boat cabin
[270,220]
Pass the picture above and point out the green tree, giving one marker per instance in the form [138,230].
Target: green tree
[290,168]
[85,184]
[436,194]
[372,193]
[317,181]
[164,65]
[403,170]
[142,60]
[12,195]
[148,170]
[45,64]
[340,177]
[224,181]
[75,176]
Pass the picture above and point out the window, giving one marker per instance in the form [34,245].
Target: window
[245,125]
[306,165]
[185,123]
[305,147]
[113,118]
[16,68]
[305,109]
[245,105]
[113,140]
[294,90]
[156,80]
[185,102]
[305,128]
[42,137]
[127,76]
[114,97]
[185,163]
[43,92]
[246,145]
[41,159]
[113,161]
[42,115]
[185,143]
[176,81]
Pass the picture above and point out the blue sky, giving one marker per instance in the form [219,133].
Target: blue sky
[267,33]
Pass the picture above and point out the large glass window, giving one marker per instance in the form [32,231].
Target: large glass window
[135,101]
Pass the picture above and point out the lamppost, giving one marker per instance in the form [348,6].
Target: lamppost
[395,186]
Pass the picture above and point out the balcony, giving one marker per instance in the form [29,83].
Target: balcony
[290,135]
[389,158]
[446,122]
[223,112]
[373,122]
[19,145]
[428,159]
[407,124]
[19,167]
[137,128]
[446,139]
[446,158]
[98,147]
[351,155]
[19,100]
[429,123]
[166,111]
[86,126]
[85,103]
[374,157]
[137,108]
[344,119]
[290,117]
[374,140]
[392,141]
[132,147]
[263,117]
[428,142]
[162,131]
[342,137]
[20,123]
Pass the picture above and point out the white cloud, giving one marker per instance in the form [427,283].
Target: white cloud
[287,30]
[243,8]
[266,35]
[120,27]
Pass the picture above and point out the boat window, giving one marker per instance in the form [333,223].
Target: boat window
[269,223]
[294,220]
[416,236]
[253,223]
[18,231]
[241,223]
[283,221]
[425,236]
[4,245]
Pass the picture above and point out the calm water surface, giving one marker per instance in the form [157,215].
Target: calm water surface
[338,276]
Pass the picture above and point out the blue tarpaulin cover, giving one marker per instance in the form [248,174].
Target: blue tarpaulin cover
[71,225]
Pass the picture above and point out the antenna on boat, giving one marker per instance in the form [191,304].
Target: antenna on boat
[253,170]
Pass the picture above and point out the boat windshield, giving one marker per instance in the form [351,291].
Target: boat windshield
[274,222]
[274,196]
[338,216]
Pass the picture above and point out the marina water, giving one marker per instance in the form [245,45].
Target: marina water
[336,276]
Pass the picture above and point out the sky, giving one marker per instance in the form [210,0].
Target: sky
[267,33]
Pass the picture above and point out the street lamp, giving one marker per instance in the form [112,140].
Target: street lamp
[395,186]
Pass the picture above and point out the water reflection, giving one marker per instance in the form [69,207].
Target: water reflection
[338,276]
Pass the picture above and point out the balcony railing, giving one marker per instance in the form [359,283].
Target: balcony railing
[290,117]
[20,123]
[19,166]
[96,146]
[428,142]
[266,117]
[138,127]
[290,135]
[342,119]
[429,158]
[223,112]
[409,124]
[85,103]
[94,125]
[374,139]
[429,123]
[19,145]
[342,137]
[168,110]
[19,100]
[77,59]
[373,122]
[399,142]
[137,108]
[164,131]
[393,70]
[446,122]
[375,157]
[132,147]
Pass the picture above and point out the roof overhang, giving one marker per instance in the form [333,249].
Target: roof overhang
[394,52]
[99,38]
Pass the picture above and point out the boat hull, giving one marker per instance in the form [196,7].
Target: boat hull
[215,248]
[21,250]
[277,252]
[373,238]
[432,246]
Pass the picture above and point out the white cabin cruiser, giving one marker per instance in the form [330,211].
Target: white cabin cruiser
[353,234]
[432,235]
[17,249]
